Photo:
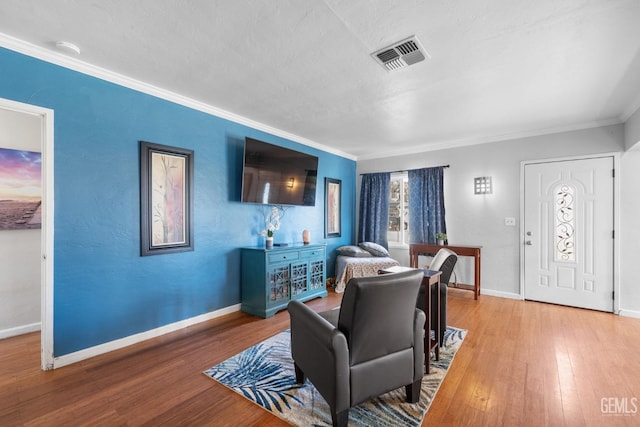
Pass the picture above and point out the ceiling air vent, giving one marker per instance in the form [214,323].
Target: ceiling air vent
[401,54]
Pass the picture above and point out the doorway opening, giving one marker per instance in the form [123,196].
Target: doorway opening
[45,131]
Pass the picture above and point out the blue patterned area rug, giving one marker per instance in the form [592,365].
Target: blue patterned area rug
[264,374]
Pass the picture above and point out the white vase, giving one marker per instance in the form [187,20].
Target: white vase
[269,242]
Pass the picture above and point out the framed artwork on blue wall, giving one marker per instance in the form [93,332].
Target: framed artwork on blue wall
[332,205]
[166,199]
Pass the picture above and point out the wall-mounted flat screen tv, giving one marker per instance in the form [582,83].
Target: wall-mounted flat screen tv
[275,175]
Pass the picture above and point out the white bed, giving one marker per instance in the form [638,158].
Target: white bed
[348,267]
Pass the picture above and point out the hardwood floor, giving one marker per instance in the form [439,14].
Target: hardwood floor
[522,363]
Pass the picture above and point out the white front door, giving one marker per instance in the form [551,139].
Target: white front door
[568,232]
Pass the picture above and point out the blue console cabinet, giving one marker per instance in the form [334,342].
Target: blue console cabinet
[273,277]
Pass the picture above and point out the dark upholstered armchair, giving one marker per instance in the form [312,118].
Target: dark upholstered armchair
[444,260]
[369,346]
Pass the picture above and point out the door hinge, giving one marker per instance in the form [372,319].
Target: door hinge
[613,173]
[613,234]
[613,295]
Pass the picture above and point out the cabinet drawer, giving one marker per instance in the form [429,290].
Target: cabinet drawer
[311,253]
[284,256]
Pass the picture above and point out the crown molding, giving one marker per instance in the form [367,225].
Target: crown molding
[74,64]
[465,142]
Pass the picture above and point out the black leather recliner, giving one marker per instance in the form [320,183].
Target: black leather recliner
[444,260]
[369,346]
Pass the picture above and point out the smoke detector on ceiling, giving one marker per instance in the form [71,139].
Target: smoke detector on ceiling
[401,54]
[68,47]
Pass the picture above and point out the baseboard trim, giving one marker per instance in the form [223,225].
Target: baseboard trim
[500,294]
[622,312]
[20,330]
[87,353]
[629,313]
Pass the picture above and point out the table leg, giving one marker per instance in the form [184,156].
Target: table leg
[427,326]
[437,315]
[477,276]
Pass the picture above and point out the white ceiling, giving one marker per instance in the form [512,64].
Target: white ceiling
[498,68]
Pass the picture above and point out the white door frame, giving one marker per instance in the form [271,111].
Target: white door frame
[616,219]
[46,251]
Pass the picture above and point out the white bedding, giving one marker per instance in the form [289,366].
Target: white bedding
[348,267]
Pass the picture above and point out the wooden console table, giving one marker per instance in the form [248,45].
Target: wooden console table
[430,249]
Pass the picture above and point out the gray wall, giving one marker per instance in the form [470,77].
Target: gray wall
[629,232]
[479,220]
[632,130]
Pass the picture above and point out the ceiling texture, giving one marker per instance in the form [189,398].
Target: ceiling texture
[495,70]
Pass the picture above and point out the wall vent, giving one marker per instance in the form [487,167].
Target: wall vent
[401,54]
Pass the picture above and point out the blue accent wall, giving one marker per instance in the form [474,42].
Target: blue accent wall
[103,289]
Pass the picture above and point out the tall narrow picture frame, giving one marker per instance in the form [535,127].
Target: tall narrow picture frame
[166,199]
[332,205]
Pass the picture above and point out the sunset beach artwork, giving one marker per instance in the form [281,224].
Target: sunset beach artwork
[20,189]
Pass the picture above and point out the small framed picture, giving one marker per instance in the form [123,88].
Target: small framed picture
[166,199]
[333,204]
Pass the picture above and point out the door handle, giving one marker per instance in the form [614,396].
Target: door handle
[528,243]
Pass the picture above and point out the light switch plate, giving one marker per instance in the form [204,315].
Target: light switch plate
[511,222]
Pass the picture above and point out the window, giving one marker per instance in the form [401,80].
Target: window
[398,231]
[565,223]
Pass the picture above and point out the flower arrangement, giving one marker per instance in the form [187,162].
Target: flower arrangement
[273,222]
